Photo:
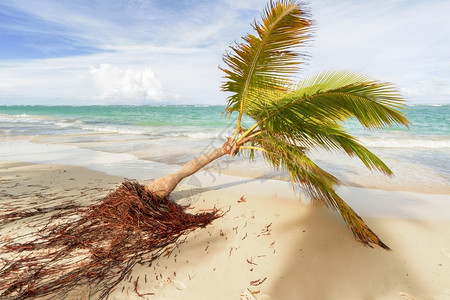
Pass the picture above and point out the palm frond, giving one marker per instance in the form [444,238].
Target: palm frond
[345,94]
[282,155]
[311,116]
[264,62]
[318,183]
[335,97]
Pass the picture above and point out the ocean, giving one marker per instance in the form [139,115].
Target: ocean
[173,135]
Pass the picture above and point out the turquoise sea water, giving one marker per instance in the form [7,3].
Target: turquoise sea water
[176,134]
[427,120]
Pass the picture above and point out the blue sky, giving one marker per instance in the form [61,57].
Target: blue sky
[168,52]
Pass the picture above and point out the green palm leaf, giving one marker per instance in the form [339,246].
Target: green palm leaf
[264,62]
[347,94]
[317,183]
[311,116]
[334,97]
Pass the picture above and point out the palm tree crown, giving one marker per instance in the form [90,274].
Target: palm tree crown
[291,119]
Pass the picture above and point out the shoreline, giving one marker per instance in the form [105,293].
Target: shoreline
[271,247]
[407,177]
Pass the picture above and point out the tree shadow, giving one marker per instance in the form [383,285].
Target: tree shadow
[191,193]
[327,263]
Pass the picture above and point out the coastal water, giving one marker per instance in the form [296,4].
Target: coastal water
[175,134]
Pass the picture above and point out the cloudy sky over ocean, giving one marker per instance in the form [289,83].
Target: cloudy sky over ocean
[168,52]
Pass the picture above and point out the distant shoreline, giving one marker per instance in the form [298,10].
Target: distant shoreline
[407,104]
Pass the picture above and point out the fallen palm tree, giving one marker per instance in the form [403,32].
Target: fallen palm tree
[288,120]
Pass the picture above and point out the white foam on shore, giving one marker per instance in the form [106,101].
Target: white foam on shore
[412,143]
[117,164]
[367,202]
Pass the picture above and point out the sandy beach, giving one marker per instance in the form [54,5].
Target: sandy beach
[271,244]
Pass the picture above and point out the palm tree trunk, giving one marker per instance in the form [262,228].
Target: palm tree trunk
[163,186]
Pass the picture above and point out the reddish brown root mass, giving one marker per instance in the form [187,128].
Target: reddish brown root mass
[96,246]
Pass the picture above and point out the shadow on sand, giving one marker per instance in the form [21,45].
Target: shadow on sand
[326,263]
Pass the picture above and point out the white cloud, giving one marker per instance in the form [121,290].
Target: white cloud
[399,41]
[116,84]
[435,89]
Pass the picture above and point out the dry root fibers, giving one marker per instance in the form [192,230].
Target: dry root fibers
[94,246]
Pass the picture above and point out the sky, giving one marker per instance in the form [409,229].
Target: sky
[155,52]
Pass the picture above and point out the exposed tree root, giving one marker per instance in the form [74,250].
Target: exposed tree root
[94,246]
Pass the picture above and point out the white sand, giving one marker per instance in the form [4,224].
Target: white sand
[273,246]
[305,252]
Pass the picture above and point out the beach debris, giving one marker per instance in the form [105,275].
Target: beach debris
[242,199]
[258,281]
[405,296]
[266,230]
[247,295]
[250,261]
[444,252]
[96,245]
[136,289]
[139,294]
[163,282]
